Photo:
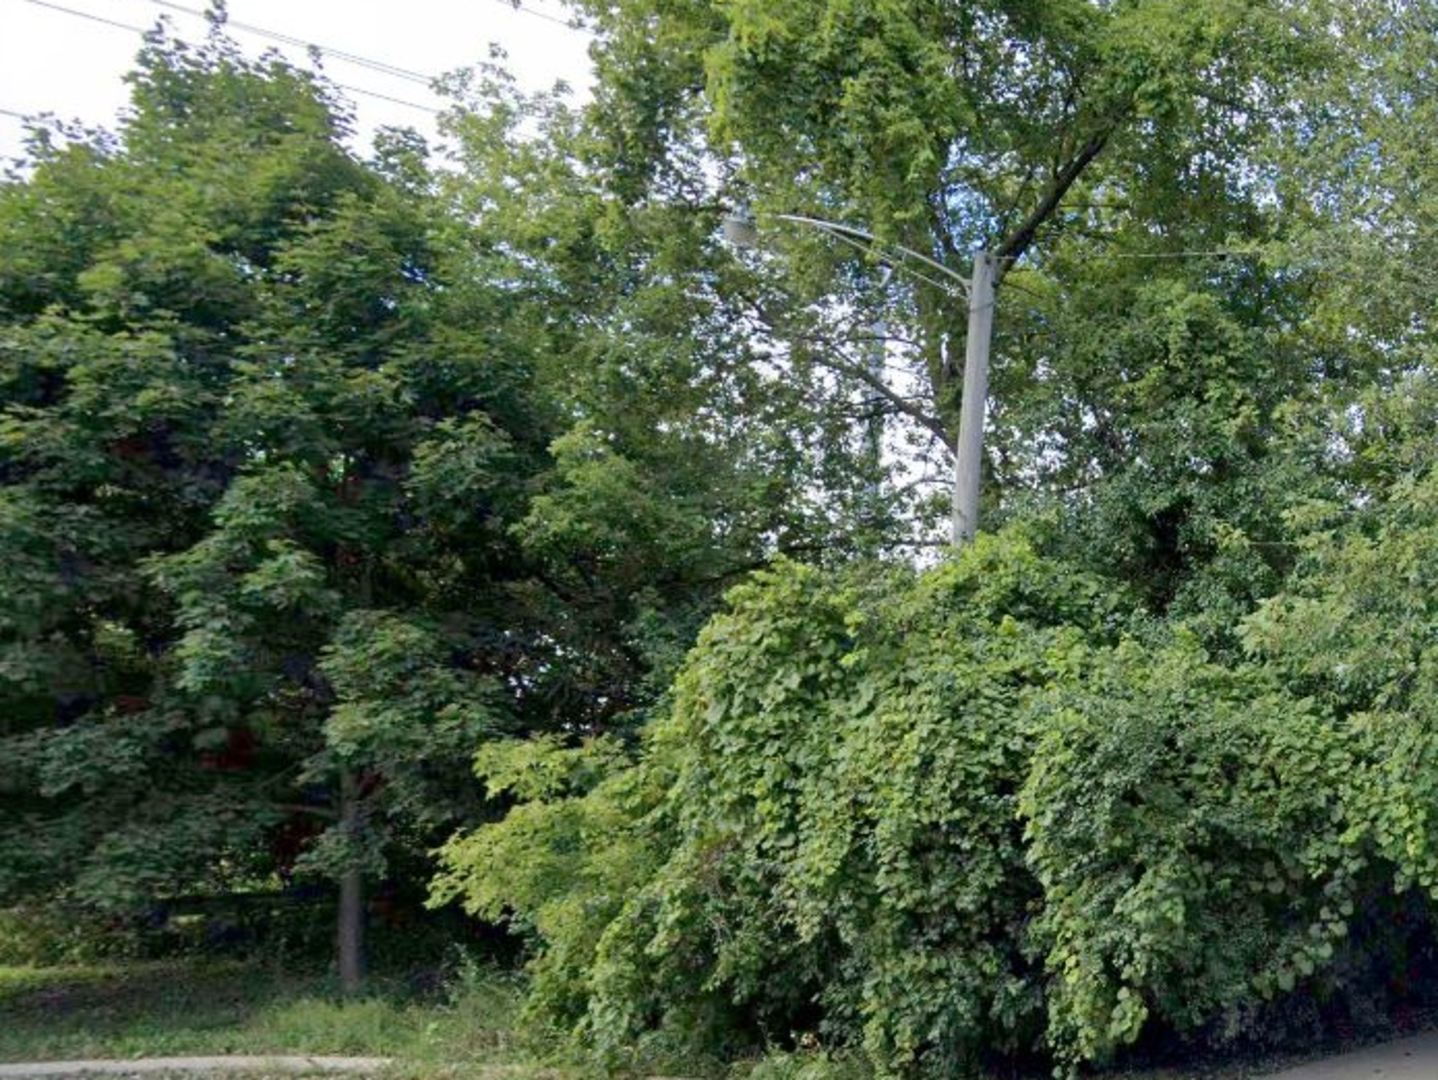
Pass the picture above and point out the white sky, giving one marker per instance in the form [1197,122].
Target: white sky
[53,61]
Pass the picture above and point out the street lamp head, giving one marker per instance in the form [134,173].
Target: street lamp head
[741,230]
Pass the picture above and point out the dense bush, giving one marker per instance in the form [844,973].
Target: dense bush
[820,841]
[43,937]
[943,817]
[1190,829]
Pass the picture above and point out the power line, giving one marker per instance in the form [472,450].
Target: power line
[515,5]
[141,30]
[86,15]
[1213,254]
[386,97]
[382,66]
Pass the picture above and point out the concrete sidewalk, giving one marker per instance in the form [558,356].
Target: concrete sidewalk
[1414,1058]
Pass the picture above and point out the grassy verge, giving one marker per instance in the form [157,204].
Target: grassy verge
[172,1008]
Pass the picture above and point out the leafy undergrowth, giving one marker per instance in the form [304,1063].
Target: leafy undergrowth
[172,1008]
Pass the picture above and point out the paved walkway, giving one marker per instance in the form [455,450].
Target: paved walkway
[230,1063]
[1414,1058]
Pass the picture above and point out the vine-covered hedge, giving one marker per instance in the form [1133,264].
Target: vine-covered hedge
[939,817]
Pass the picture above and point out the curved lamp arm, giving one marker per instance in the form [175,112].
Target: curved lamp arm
[741,230]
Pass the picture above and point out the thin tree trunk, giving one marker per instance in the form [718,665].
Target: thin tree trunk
[349,929]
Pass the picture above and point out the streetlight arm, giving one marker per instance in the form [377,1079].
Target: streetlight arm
[868,238]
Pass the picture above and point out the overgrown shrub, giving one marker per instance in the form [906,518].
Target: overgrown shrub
[1210,837]
[45,936]
[941,818]
[1189,826]
[820,842]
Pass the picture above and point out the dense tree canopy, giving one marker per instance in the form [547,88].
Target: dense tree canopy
[320,471]
[258,470]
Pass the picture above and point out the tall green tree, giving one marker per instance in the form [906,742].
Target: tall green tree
[1186,794]
[1092,149]
[263,443]
[692,451]
[321,471]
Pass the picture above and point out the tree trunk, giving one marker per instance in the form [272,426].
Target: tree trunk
[349,929]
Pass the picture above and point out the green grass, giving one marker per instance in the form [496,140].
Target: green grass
[170,1008]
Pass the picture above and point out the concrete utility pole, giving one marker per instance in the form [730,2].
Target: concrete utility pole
[969,448]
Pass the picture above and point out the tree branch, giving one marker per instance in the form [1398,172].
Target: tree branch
[1017,242]
[306,809]
[834,362]
[829,356]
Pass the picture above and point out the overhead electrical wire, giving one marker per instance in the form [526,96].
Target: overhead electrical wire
[382,66]
[1216,253]
[386,97]
[87,15]
[514,5]
[91,17]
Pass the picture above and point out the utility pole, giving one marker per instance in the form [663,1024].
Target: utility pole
[969,448]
